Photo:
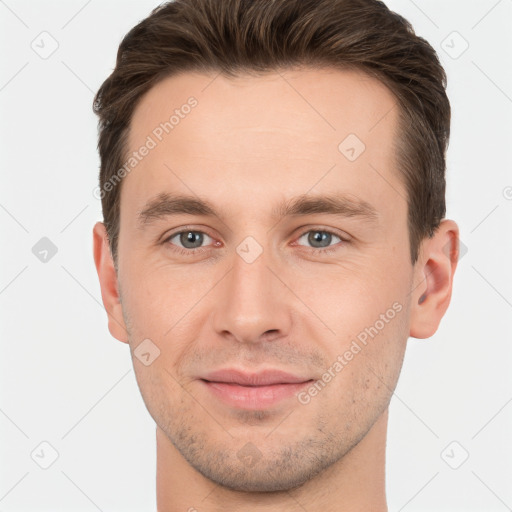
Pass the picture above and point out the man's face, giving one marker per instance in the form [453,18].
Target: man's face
[252,291]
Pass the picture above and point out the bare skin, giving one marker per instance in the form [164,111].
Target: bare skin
[250,144]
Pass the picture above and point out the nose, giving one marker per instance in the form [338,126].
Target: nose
[253,304]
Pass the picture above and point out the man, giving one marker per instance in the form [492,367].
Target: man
[272,183]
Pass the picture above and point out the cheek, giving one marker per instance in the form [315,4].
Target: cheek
[158,297]
[160,389]
[383,343]
[352,300]
[370,370]
[361,273]
[370,344]
[159,310]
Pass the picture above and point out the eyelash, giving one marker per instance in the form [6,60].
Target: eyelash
[191,252]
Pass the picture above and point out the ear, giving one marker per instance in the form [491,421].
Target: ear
[108,283]
[433,279]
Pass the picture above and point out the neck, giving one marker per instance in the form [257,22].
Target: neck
[354,483]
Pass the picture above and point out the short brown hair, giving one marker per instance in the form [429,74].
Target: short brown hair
[259,36]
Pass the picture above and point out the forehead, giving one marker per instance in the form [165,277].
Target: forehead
[277,134]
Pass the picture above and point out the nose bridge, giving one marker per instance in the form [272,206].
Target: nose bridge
[252,301]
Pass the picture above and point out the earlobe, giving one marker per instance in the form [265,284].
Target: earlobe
[434,279]
[108,283]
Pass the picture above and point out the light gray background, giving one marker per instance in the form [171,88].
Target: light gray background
[66,381]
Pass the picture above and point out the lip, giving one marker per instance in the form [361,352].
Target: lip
[262,378]
[253,390]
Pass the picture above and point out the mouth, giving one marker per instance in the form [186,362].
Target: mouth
[253,390]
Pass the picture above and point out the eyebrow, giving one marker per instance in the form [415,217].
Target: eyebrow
[165,205]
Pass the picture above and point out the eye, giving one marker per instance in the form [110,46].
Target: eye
[188,241]
[321,239]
